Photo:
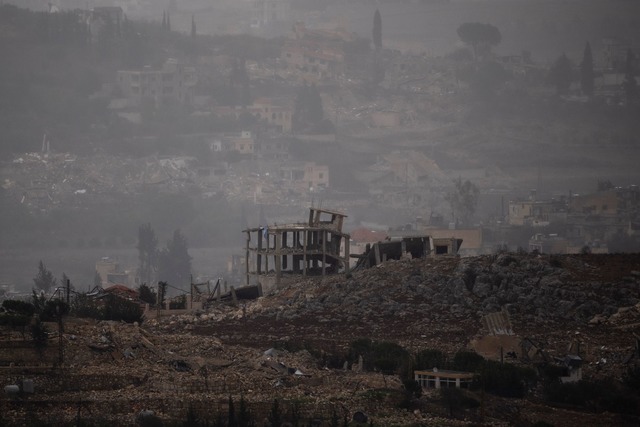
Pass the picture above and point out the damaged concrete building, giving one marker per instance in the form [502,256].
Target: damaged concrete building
[397,247]
[276,253]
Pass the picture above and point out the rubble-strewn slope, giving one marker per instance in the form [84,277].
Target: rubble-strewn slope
[439,303]
[565,304]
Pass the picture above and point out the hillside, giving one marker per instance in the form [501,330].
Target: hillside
[586,305]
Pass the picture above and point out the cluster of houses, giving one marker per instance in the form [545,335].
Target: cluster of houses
[587,222]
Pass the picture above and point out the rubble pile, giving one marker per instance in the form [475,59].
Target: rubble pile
[286,345]
[439,303]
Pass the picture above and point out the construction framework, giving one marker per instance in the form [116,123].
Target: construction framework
[318,247]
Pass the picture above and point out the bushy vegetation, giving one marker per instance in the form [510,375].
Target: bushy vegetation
[596,396]
[384,356]
[116,308]
[505,379]
[110,307]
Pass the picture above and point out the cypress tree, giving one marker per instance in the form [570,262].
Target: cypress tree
[630,85]
[586,71]
[377,30]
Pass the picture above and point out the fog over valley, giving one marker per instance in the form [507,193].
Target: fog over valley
[210,117]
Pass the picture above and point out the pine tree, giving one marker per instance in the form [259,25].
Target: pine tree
[630,85]
[193,27]
[44,281]
[377,30]
[168,22]
[586,71]
[175,261]
[275,416]
[244,416]
[164,20]
[232,420]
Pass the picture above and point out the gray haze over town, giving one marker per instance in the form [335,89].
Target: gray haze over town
[507,124]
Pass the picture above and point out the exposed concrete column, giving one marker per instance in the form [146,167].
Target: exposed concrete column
[304,253]
[278,257]
[347,249]
[324,251]
[246,259]
[259,253]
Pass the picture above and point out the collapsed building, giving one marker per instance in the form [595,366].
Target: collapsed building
[278,252]
[417,246]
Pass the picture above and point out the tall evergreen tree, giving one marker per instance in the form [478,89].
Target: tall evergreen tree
[377,30]
[164,20]
[586,71]
[193,27]
[232,420]
[244,416]
[308,110]
[175,261]
[168,22]
[630,85]
[44,280]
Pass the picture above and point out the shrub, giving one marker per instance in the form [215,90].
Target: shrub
[389,357]
[504,379]
[595,396]
[468,361]
[120,309]
[39,334]
[19,307]
[84,306]
[430,358]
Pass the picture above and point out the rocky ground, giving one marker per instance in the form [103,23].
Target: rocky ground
[578,304]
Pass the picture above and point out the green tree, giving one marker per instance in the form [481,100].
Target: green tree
[193,27]
[147,294]
[481,37]
[377,30]
[232,420]
[308,111]
[147,253]
[429,359]
[463,200]
[44,280]
[244,416]
[630,85]
[162,292]
[335,420]
[175,261]
[586,71]
[119,309]
[275,416]
[561,74]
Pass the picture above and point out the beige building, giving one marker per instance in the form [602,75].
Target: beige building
[536,212]
[173,83]
[279,116]
[111,273]
[305,176]
[443,379]
[315,55]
